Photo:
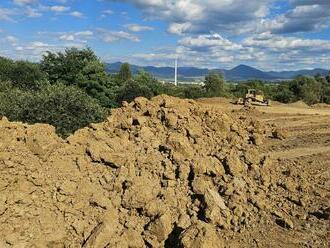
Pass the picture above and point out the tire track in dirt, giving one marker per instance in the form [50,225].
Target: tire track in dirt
[299,152]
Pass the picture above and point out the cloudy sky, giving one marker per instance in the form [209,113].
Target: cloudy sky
[267,34]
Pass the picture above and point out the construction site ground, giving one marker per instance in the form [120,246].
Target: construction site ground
[170,173]
[305,149]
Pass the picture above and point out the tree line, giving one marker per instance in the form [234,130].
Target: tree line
[71,89]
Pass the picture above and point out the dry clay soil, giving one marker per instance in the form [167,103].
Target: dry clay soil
[303,152]
[170,173]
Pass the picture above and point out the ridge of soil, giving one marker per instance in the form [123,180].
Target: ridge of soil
[167,172]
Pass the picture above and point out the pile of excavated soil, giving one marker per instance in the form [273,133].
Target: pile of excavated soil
[159,173]
[215,100]
[299,104]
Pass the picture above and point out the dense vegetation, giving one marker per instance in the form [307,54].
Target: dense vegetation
[71,89]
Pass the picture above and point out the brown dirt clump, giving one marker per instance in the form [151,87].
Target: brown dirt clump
[159,173]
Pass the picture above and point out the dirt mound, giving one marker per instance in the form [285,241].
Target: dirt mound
[214,100]
[276,103]
[157,173]
[321,106]
[299,104]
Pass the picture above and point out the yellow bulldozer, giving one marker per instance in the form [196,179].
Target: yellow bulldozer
[254,97]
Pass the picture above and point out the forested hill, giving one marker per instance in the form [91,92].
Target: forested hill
[241,72]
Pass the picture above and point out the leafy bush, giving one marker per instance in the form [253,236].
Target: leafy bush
[194,91]
[22,74]
[144,78]
[282,93]
[307,89]
[65,107]
[6,66]
[132,89]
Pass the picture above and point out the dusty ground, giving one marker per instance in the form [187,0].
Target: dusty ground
[305,153]
[170,173]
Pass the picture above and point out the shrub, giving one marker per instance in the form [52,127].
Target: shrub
[23,74]
[194,91]
[132,89]
[282,93]
[66,107]
[307,89]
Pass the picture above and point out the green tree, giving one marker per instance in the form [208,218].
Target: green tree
[6,67]
[214,85]
[67,67]
[145,78]
[282,93]
[94,81]
[83,69]
[132,89]
[27,75]
[125,73]
[326,93]
[328,77]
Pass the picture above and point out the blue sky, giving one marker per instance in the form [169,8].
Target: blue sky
[267,34]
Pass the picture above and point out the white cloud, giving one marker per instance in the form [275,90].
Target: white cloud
[282,43]
[302,18]
[112,36]
[180,28]
[34,50]
[67,37]
[80,36]
[265,51]
[32,12]
[59,8]
[206,41]
[203,16]
[309,2]
[7,14]
[11,39]
[84,33]
[138,28]
[106,13]
[24,2]
[77,14]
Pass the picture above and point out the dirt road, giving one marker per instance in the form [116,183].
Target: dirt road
[304,153]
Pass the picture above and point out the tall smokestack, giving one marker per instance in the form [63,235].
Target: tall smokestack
[176,73]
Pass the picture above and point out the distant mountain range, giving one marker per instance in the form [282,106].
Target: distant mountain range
[241,72]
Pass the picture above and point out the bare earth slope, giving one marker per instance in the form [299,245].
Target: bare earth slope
[169,173]
[304,154]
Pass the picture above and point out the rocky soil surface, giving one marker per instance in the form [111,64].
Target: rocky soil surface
[161,173]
